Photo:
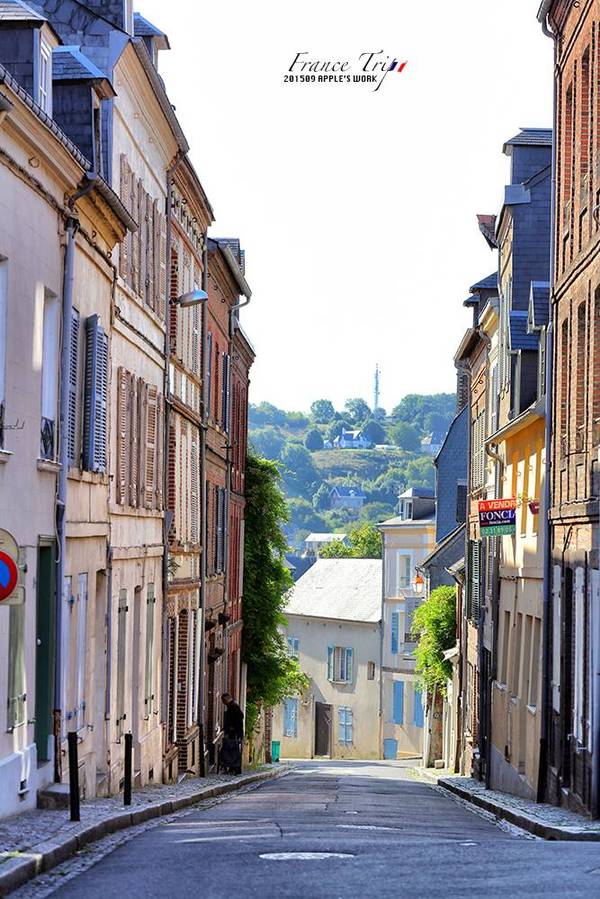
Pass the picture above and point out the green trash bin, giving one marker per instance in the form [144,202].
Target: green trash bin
[275,750]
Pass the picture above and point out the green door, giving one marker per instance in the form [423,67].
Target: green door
[44,655]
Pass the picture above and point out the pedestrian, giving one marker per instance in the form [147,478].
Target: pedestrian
[233,725]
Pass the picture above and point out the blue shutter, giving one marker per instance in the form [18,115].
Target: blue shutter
[398,706]
[395,626]
[208,371]
[290,722]
[349,666]
[418,709]
[73,372]
[330,663]
[95,397]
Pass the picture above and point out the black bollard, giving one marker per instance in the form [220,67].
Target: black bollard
[73,776]
[128,769]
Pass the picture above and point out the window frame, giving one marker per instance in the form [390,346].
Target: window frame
[45,77]
[340,664]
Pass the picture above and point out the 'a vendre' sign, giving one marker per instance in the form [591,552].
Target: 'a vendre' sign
[497,517]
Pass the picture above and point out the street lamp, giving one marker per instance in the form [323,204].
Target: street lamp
[192,298]
[418,583]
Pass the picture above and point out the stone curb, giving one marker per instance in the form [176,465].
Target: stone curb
[48,854]
[525,822]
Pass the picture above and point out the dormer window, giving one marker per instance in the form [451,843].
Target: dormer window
[406,509]
[45,79]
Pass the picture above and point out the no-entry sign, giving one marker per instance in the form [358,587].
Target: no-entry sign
[9,575]
[497,517]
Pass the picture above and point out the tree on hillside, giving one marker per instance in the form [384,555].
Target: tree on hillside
[414,407]
[313,440]
[296,421]
[320,500]
[322,411]
[379,414]
[420,472]
[371,512]
[436,423]
[265,414]
[336,427]
[358,410]
[406,437]
[272,675]
[268,442]
[303,519]
[374,431]
[364,543]
[298,469]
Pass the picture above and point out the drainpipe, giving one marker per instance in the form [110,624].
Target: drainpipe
[72,224]
[547,555]
[203,528]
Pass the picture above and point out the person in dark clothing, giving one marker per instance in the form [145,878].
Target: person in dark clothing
[233,725]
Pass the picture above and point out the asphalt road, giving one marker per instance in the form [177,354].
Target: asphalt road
[388,834]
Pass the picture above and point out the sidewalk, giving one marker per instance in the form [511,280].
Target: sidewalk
[540,819]
[38,840]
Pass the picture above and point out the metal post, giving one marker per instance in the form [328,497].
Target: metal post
[73,776]
[128,769]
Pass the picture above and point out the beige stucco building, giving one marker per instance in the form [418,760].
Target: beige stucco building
[333,629]
[407,540]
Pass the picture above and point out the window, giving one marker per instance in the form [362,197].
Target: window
[406,509]
[478,451]
[370,670]
[474,580]
[95,397]
[536,661]
[82,613]
[505,647]
[293,644]
[418,715]
[149,667]
[3,305]
[580,375]
[122,610]
[49,376]
[226,388]
[220,529]
[403,565]
[45,82]
[140,420]
[492,401]
[73,388]
[395,632]
[340,664]
[398,702]
[345,725]
[16,666]
[290,718]
[208,372]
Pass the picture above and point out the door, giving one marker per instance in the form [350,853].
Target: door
[322,728]
[44,653]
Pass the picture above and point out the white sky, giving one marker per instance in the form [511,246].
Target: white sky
[356,209]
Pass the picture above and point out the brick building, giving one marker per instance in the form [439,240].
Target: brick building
[573,753]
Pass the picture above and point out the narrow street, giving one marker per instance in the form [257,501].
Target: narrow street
[389,835]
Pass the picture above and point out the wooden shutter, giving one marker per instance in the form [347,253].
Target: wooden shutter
[474,581]
[134,388]
[125,192]
[73,381]
[95,396]
[330,654]
[151,445]
[159,274]
[160,452]
[143,232]
[398,702]
[136,236]
[208,371]
[82,614]
[149,672]
[150,261]
[349,666]
[122,610]
[195,491]
[226,392]
[395,631]
[418,716]
[122,447]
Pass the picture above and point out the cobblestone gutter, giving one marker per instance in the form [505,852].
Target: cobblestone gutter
[37,840]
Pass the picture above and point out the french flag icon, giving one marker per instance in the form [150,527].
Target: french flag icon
[398,66]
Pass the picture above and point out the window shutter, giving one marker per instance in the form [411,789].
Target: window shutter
[125,191]
[398,702]
[418,716]
[143,241]
[208,371]
[195,491]
[122,485]
[395,626]
[225,392]
[65,639]
[122,610]
[82,612]
[132,437]
[150,448]
[349,666]
[135,237]
[152,248]
[160,452]
[474,605]
[73,379]
[149,672]
[160,257]
[95,396]
[16,667]
[330,663]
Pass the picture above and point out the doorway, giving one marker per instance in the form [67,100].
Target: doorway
[322,728]
[45,647]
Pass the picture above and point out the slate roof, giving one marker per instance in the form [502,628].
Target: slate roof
[143,28]
[418,493]
[539,304]
[69,64]
[17,11]
[531,137]
[343,589]
[520,338]
[348,491]
[324,538]
[489,283]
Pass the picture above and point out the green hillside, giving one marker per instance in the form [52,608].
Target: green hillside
[302,445]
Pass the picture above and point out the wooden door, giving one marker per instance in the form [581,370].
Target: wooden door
[322,728]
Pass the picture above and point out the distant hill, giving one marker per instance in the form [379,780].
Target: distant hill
[311,466]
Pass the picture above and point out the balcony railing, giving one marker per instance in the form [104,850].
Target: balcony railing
[47,439]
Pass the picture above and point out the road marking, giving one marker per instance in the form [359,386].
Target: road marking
[258,836]
[303,856]
[367,827]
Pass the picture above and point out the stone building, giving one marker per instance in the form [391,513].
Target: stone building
[572,712]
[55,312]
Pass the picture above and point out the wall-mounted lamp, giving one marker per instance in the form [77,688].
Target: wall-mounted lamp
[193,298]
[418,583]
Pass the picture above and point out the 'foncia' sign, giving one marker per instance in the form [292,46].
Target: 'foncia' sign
[497,517]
